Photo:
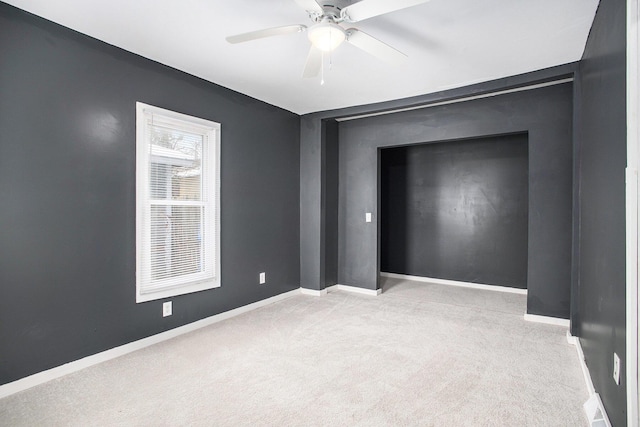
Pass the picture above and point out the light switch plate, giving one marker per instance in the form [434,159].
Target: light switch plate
[367,217]
[616,368]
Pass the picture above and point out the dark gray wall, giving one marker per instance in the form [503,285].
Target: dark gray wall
[602,136]
[545,113]
[312,214]
[314,223]
[457,210]
[67,185]
[330,202]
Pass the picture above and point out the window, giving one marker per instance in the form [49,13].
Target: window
[177,203]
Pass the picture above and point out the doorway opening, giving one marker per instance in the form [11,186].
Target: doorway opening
[457,210]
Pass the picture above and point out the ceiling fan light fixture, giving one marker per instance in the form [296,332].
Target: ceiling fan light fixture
[326,36]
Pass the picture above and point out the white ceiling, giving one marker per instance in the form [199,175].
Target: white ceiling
[450,43]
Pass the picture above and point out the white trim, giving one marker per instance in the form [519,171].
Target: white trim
[457,100]
[589,383]
[313,292]
[571,339]
[632,213]
[346,288]
[546,319]
[632,303]
[146,288]
[583,366]
[496,288]
[68,368]
[355,290]
[593,396]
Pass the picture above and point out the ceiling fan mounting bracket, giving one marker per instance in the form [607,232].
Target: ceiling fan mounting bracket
[329,13]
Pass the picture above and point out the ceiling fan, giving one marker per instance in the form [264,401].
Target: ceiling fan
[326,34]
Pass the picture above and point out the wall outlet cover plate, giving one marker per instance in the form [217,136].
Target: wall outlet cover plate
[616,368]
[167,309]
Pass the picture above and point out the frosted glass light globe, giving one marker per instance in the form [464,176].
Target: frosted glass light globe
[326,36]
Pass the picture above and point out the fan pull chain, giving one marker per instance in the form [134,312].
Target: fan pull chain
[322,67]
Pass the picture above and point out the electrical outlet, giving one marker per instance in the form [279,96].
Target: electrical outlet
[616,368]
[263,278]
[167,309]
[367,217]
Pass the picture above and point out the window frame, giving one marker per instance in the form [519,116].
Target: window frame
[147,116]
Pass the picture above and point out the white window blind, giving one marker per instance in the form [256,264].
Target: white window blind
[177,202]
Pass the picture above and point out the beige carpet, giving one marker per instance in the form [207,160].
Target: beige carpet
[417,355]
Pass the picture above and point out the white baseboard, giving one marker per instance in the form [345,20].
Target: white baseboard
[94,359]
[346,288]
[356,290]
[313,292]
[485,287]
[546,319]
[593,407]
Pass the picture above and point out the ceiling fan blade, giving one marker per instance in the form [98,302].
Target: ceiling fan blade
[313,64]
[310,6]
[374,46]
[366,9]
[268,32]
